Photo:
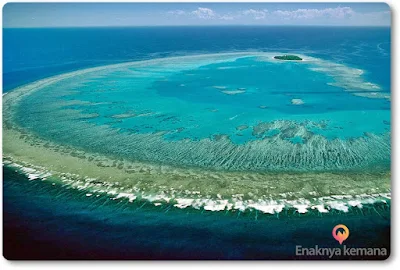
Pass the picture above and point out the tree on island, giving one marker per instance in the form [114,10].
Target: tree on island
[287,57]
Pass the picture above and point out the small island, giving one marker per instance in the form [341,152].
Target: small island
[287,57]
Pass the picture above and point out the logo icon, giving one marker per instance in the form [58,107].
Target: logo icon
[340,235]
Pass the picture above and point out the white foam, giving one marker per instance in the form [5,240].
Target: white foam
[355,203]
[33,176]
[321,208]
[183,203]
[217,205]
[235,202]
[267,208]
[131,197]
[301,208]
[338,205]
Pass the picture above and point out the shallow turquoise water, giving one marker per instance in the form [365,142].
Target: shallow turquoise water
[219,101]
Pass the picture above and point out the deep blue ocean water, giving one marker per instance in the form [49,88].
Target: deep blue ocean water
[42,221]
[66,225]
[30,54]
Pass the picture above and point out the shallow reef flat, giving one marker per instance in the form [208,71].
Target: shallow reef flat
[148,131]
[193,187]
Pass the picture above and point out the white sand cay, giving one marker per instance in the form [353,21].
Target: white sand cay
[233,92]
[297,101]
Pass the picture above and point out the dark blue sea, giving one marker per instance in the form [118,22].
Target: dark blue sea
[45,221]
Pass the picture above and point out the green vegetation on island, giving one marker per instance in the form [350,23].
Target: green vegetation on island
[287,57]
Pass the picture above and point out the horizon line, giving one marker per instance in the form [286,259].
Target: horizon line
[185,25]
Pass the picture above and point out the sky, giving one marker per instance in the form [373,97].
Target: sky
[22,15]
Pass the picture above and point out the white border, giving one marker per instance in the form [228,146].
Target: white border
[392,262]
